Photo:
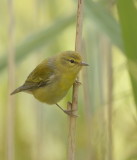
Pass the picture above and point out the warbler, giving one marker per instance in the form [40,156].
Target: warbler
[50,81]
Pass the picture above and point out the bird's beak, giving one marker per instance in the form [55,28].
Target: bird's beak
[84,64]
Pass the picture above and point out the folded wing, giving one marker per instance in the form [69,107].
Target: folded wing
[42,75]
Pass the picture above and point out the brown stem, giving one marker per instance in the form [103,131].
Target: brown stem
[11,82]
[74,106]
[87,106]
[110,107]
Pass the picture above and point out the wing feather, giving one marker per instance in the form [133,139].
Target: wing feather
[42,75]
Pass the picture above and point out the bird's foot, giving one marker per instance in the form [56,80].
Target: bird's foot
[77,82]
[70,111]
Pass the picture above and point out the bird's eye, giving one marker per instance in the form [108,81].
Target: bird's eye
[72,61]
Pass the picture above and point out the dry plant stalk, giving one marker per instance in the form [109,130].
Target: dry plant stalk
[38,140]
[74,106]
[87,105]
[110,107]
[11,82]
[110,155]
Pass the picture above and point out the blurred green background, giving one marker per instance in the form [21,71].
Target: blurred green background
[107,122]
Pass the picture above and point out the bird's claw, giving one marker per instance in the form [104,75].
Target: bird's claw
[70,113]
[77,82]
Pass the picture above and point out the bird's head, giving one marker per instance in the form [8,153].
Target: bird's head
[70,61]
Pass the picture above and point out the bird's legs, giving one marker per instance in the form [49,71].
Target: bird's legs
[68,112]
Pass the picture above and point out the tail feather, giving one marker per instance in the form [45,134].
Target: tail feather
[19,89]
[25,87]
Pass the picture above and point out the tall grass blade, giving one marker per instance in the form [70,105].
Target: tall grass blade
[128,20]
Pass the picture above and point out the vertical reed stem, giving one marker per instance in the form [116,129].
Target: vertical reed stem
[11,82]
[110,107]
[38,140]
[87,107]
[74,106]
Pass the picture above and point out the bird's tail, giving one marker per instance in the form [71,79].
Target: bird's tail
[19,89]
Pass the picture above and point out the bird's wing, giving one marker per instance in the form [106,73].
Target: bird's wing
[42,75]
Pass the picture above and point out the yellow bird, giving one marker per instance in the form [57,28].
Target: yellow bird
[50,81]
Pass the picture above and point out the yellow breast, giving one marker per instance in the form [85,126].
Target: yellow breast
[54,92]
